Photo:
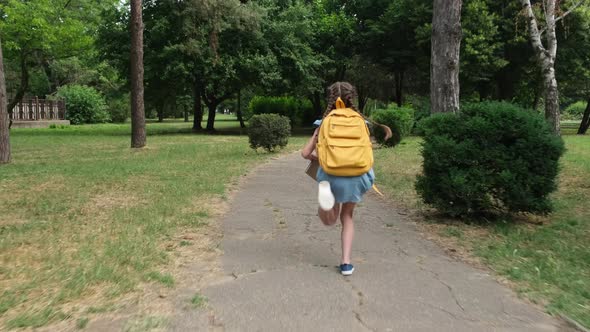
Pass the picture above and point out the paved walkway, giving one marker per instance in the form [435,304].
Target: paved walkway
[280,266]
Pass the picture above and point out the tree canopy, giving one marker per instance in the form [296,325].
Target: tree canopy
[207,51]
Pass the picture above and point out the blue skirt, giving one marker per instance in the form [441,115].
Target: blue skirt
[348,189]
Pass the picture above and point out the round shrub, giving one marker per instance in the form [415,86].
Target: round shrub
[491,157]
[84,104]
[399,119]
[269,131]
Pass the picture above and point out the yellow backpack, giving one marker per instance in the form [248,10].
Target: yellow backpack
[344,144]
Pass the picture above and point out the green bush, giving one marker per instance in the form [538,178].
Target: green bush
[575,111]
[491,157]
[399,119]
[297,110]
[120,109]
[421,106]
[84,104]
[269,131]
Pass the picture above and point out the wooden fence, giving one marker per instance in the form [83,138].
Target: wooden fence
[36,109]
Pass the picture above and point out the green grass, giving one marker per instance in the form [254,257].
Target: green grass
[81,323]
[549,263]
[198,301]
[163,278]
[570,127]
[83,215]
[144,324]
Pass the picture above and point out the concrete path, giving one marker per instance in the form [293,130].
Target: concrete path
[280,267]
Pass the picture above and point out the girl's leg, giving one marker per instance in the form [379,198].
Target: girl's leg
[347,230]
[330,217]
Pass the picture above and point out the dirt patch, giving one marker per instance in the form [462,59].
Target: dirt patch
[8,219]
[101,205]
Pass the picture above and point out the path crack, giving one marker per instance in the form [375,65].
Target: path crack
[449,313]
[362,322]
[449,287]
[361,302]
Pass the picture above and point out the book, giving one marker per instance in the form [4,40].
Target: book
[312,169]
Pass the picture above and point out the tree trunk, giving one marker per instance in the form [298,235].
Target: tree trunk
[362,99]
[399,81]
[197,108]
[316,101]
[552,113]
[546,57]
[161,112]
[24,85]
[585,120]
[50,77]
[138,135]
[185,113]
[212,106]
[444,64]
[4,131]
[536,100]
[239,112]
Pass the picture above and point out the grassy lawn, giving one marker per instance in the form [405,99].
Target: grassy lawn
[548,259]
[570,127]
[84,216]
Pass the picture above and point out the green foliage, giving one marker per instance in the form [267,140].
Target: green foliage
[41,25]
[163,278]
[481,47]
[297,110]
[421,106]
[81,323]
[402,19]
[198,301]
[575,111]
[399,119]
[119,109]
[84,104]
[492,156]
[269,131]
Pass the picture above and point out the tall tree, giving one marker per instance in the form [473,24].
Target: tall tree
[138,135]
[585,120]
[444,63]
[4,131]
[38,32]
[481,49]
[573,68]
[388,35]
[546,54]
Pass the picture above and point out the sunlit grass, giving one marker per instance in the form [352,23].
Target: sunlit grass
[83,215]
[550,263]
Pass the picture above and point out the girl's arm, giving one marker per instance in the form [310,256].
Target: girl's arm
[307,151]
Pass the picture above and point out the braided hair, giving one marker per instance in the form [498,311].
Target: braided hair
[345,91]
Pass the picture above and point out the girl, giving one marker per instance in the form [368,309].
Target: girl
[338,195]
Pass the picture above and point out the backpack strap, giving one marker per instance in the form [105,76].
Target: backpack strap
[388,133]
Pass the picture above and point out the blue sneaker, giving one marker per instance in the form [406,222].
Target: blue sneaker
[346,269]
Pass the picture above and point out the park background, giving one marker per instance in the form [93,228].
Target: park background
[85,221]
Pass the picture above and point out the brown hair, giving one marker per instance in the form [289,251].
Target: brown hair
[345,91]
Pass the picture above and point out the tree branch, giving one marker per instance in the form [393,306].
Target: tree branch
[565,14]
[24,85]
[533,29]
[551,36]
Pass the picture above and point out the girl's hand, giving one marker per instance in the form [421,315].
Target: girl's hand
[308,151]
